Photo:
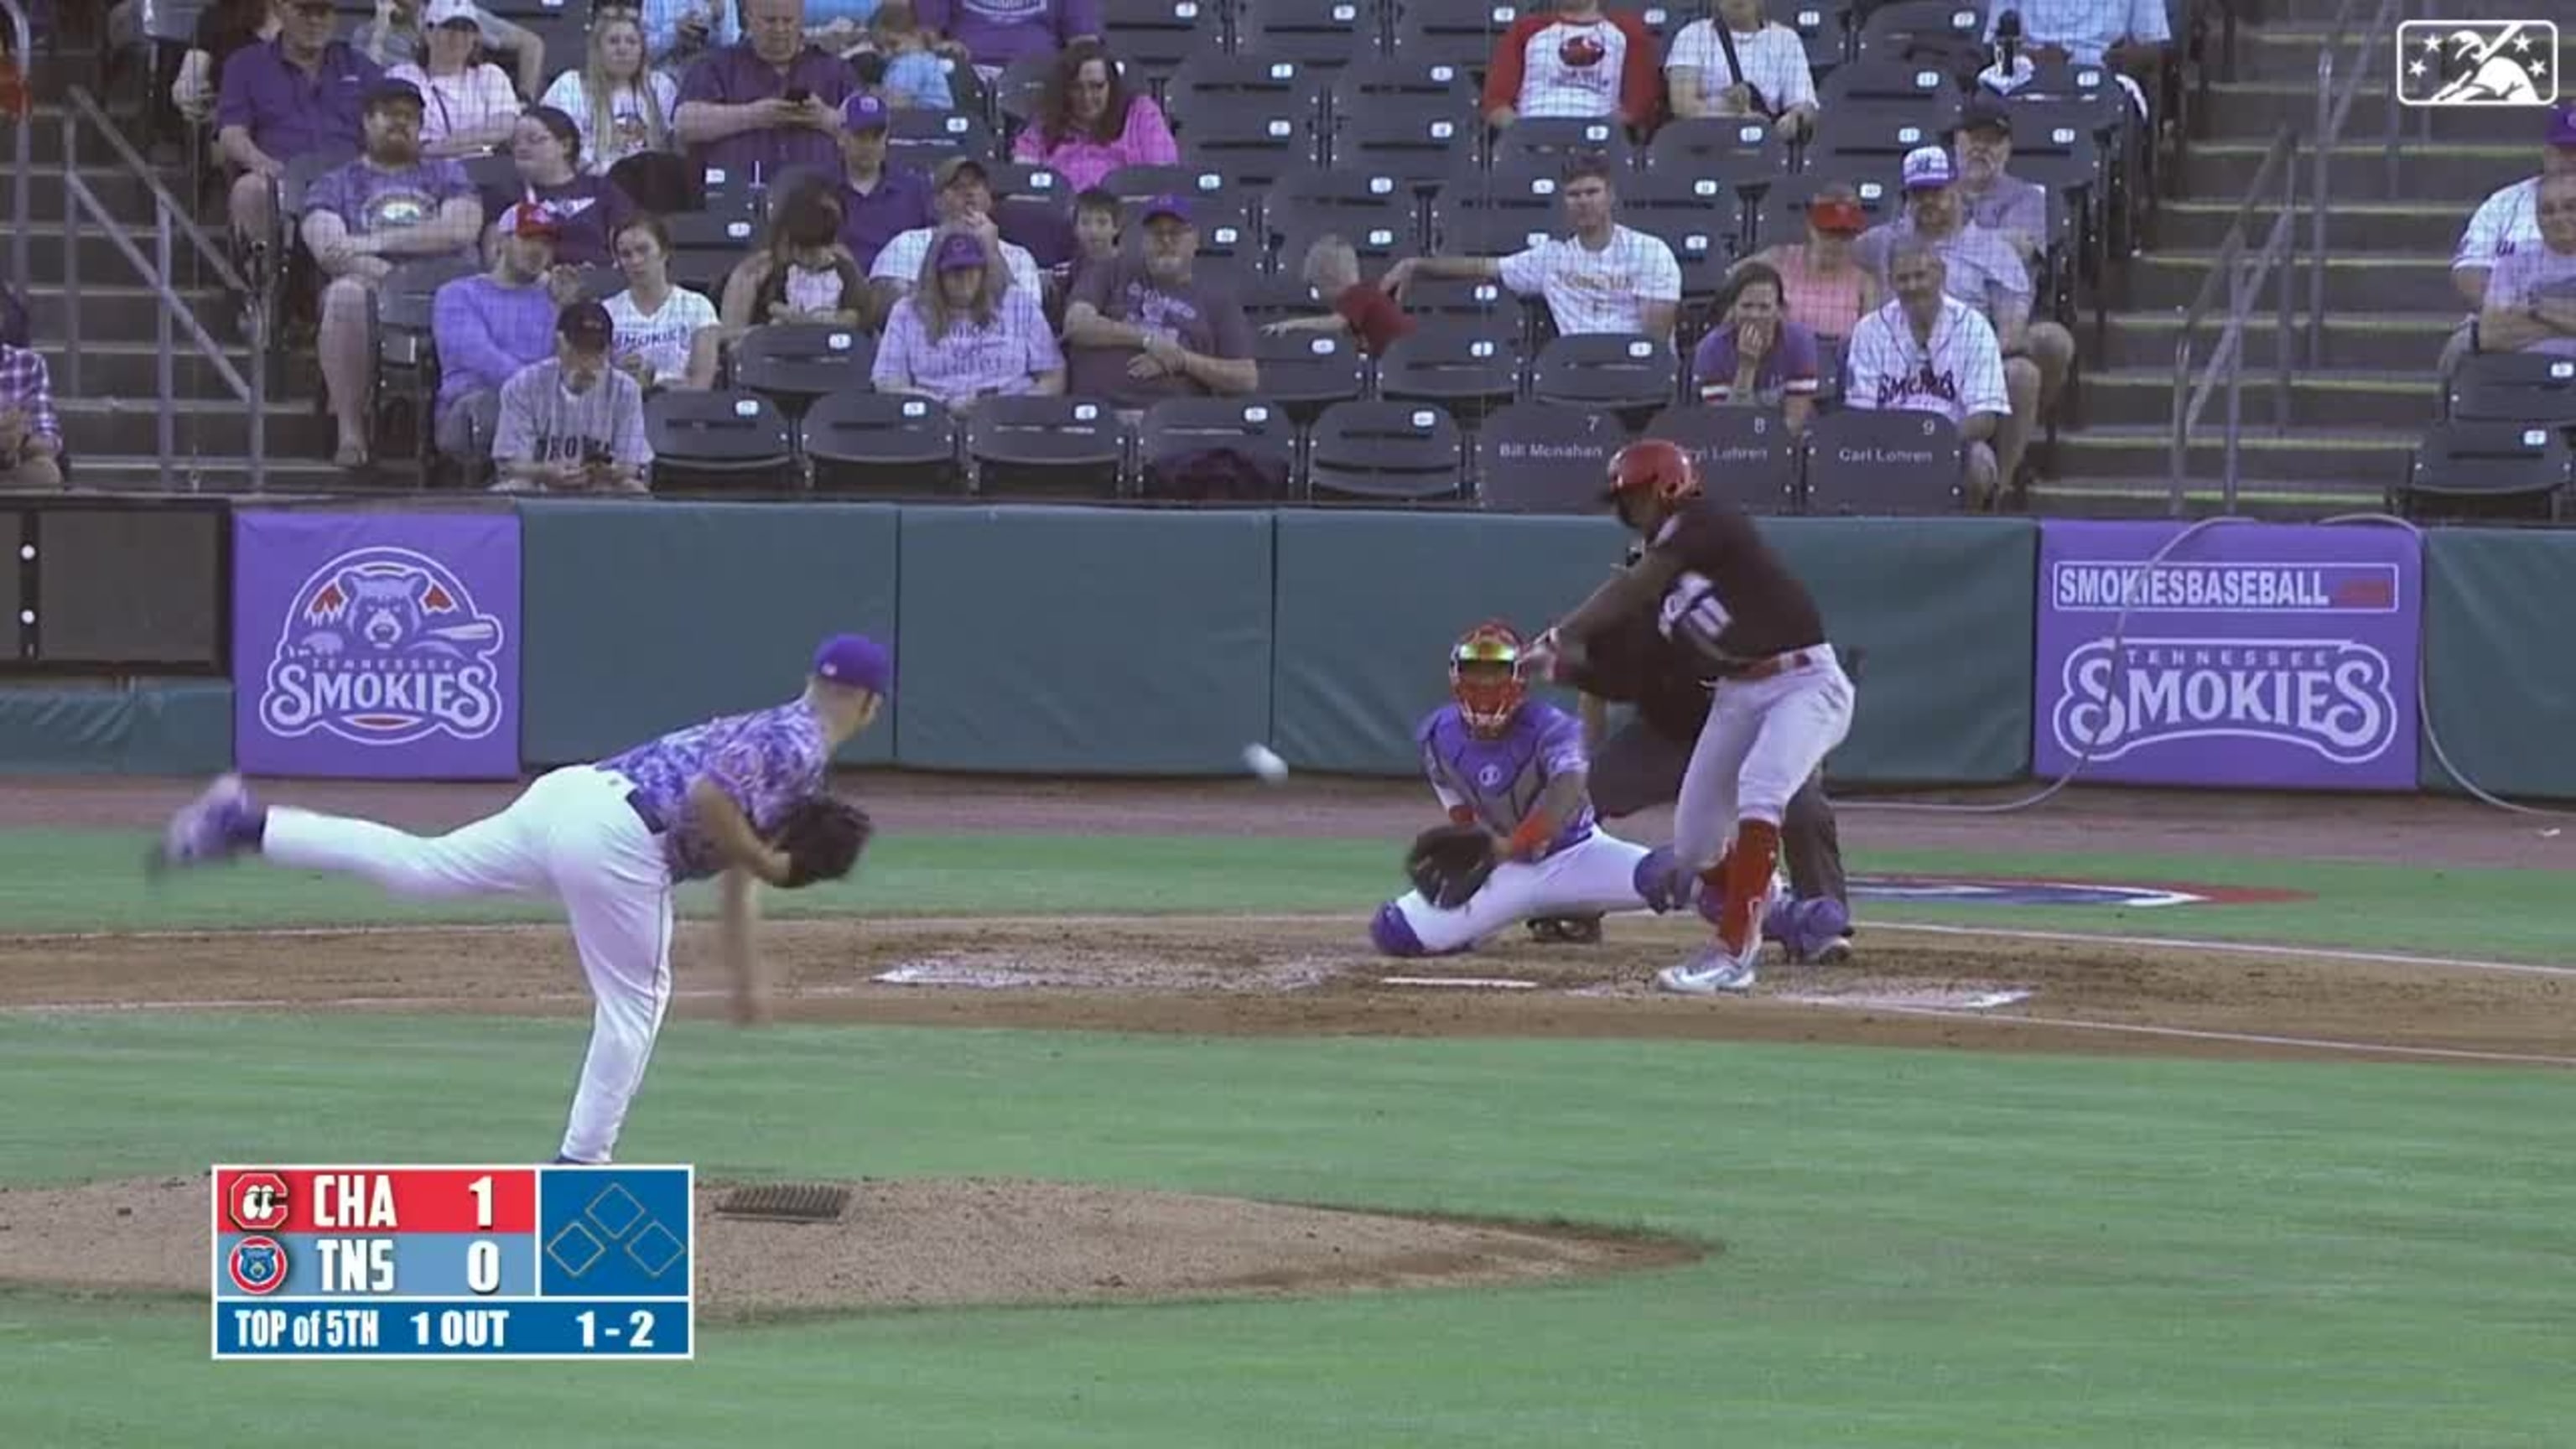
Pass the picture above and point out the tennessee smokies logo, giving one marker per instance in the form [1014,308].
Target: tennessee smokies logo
[2331,696]
[384,646]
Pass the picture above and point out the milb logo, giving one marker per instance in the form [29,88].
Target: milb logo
[2329,696]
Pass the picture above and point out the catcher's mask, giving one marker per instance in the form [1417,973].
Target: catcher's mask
[1485,676]
[1650,470]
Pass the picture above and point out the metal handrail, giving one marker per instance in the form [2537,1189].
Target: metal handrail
[2334,107]
[2245,281]
[81,108]
[24,34]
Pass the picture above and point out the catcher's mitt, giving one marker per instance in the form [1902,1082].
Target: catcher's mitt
[1449,863]
[823,838]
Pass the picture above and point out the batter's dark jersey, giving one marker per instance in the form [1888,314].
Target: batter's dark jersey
[1734,600]
[1632,663]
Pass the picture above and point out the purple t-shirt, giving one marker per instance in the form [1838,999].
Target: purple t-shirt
[900,202]
[1501,778]
[997,32]
[486,332]
[290,111]
[1204,319]
[737,76]
[368,199]
[1789,370]
[590,210]
[764,762]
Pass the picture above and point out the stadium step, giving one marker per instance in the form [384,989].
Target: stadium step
[2376,341]
[121,314]
[2145,496]
[2346,461]
[100,260]
[130,369]
[2393,282]
[2254,107]
[2466,172]
[120,191]
[286,477]
[2288,50]
[2197,224]
[216,429]
[2141,396]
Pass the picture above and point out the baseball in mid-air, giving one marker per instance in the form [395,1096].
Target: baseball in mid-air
[1265,763]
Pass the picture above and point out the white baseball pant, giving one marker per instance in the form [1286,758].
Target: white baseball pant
[1596,876]
[1763,738]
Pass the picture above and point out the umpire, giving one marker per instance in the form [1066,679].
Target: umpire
[1642,763]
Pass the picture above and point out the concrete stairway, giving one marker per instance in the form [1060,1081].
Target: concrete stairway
[2356,409]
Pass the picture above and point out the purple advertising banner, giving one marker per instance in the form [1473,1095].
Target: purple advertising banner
[2268,656]
[376,645]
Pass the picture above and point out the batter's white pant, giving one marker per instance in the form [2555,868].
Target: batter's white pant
[1596,876]
[570,835]
[1763,738]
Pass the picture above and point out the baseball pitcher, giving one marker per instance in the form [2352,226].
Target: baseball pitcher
[1521,839]
[743,797]
[1779,704]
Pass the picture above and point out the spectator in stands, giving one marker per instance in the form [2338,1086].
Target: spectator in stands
[1147,327]
[1576,61]
[1927,351]
[879,201]
[2125,35]
[587,208]
[390,206]
[1742,64]
[1997,200]
[1088,124]
[1825,288]
[471,106]
[489,325]
[2531,296]
[396,37]
[914,74]
[222,28]
[802,273]
[963,198]
[1332,268]
[1097,219]
[771,102]
[1755,356]
[622,107]
[839,26]
[967,333]
[1981,269]
[678,32]
[297,95]
[990,34]
[1601,277]
[31,436]
[656,322]
[572,423]
[2505,223]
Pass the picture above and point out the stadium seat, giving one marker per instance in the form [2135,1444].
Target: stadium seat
[2515,387]
[1385,452]
[1267,298]
[1343,195]
[1251,147]
[1045,446]
[1741,152]
[1632,375]
[1019,181]
[1542,457]
[1307,372]
[2487,472]
[881,444]
[1879,133]
[1159,35]
[406,355]
[921,139]
[1021,87]
[1885,82]
[1746,456]
[1467,367]
[1209,87]
[1144,183]
[1548,143]
[1368,84]
[1822,30]
[1226,234]
[1206,449]
[1416,138]
[1462,297]
[720,441]
[1700,218]
[1491,234]
[1318,34]
[1891,30]
[1884,464]
[1781,217]
[1527,194]
[1379,244]
[705,245]
[1461,33]
[792,364]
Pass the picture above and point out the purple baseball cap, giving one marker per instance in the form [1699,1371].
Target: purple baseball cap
[1168,205]
[864,113]
[2562,124]
[857,661]
[959,252]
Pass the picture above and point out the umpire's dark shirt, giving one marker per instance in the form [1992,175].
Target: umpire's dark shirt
[1633,663]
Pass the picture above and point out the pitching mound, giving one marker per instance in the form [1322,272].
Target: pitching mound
[914,1243]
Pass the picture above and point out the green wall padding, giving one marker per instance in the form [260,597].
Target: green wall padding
[1369,603]
[647,615]
[2502,678]
[1084,641]
[160,727]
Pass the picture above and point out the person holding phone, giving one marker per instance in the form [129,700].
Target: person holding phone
[573,423]
[771,102]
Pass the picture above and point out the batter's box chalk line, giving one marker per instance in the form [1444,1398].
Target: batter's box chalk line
[1990,999]
[1468,983]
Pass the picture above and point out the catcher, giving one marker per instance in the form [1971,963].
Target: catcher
[1521,840]
[743,797]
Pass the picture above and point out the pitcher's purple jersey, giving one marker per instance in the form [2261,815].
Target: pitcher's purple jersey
[1500,778]
[765,762]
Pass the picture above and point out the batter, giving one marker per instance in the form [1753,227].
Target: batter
[610,840]
[1779,704]
[1515,766]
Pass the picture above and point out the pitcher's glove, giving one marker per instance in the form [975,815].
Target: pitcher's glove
[1448,864]
[822,838]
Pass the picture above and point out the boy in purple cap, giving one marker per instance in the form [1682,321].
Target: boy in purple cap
[879,201]
[610,840]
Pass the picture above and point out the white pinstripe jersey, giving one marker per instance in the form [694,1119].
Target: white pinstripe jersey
[1961,372]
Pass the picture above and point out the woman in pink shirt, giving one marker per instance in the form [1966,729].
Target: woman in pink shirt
[1088,125]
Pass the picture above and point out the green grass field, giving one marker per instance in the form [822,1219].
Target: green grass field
[1917,1248]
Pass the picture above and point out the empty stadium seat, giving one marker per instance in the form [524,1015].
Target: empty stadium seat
[1543,457]
[881,444]
[1307,372]
[1205,449]
[1144,183]
[1884,464]
[1380,244]
[1549,142]
[1879,133]
[1159,35]
[1416,138]
[720,441]
[1885,81]
[1632,375]
[2488,472]
[1344,195]
[1251,146]
[1467,367]
[1821,29]
[2515,387]
[1268,298]
[1701,218]
[1047,446]
[1206,87]
[406,355]
[1319,34]
[1891,29]
[1385,452]
[1734,149]
[1020,181]
[1746,456]
[1367,84]
[1461,33]
[792,364]
[705,245]
[921,139]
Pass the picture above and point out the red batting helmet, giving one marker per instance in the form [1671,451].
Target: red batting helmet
[1485,675]
[1652,468]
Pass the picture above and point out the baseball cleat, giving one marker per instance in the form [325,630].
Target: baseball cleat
[1567,930]
[1834,952]
[1715,969]
[217,825]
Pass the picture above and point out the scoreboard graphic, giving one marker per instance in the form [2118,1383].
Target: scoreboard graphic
[445,1262]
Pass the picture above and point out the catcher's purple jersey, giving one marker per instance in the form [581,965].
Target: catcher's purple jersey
[765,762]
[1500,778]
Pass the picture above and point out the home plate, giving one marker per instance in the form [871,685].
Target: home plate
[1934,1000]
[1488,983]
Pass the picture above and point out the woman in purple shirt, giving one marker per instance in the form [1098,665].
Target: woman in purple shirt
[993,33]
[1088,124]
[965,333]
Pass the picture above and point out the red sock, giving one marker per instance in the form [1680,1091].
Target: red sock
[1743,875]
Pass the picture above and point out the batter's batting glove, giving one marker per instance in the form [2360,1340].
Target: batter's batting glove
[822,839]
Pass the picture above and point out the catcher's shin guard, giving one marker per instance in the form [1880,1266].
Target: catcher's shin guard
[1741,879]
